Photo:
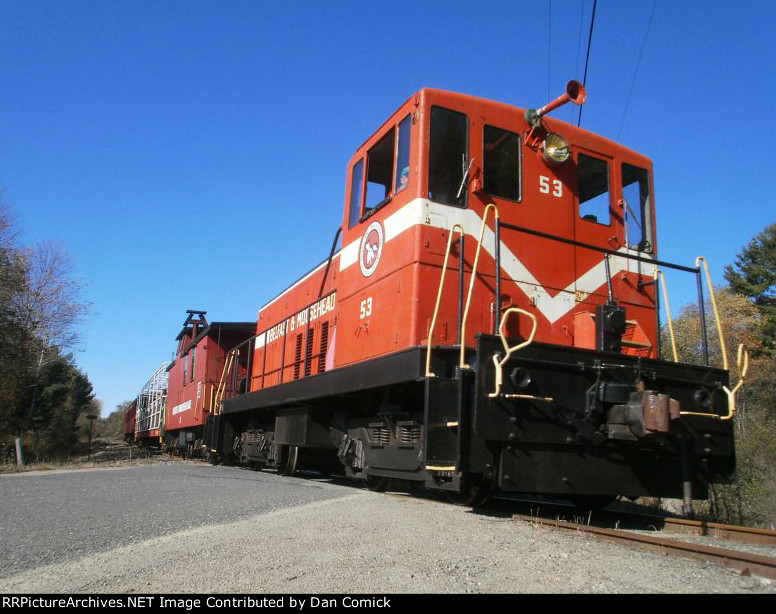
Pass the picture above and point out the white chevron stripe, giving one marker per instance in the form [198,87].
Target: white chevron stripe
[423,211]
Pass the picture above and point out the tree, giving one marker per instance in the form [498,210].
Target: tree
[63,394]
[49,303]
[752,499]
[754,276]
[41,390]
[17,346]
[741,323]
[114,423]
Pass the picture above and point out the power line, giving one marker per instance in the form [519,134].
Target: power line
[579,44]
[587,59]
[549,48]
[636,72]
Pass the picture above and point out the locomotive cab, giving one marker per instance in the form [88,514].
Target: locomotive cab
[440,161]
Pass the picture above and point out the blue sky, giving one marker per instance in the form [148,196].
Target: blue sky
[192,155]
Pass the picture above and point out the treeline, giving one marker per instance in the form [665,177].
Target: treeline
[747,309]
[42,392]
[752,499]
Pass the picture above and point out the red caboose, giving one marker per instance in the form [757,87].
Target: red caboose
[194,376]
[130,422]
[522,251]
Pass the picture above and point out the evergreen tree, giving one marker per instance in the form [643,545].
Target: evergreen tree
[63,394]
[754,276]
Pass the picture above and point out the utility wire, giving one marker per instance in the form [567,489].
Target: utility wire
[549,48]
[636,72]
[579,44]
[587,59]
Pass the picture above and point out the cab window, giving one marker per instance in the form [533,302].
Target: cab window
[593,189]
[635,194]
[403,156]
[356,183]
[448,147]
[501,163]
[379,169]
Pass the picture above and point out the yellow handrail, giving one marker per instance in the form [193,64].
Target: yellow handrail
[222,383]
[659,273]
[492,206]
[461,233]
[499,364]
[722,347]
[742,355]
[742,362]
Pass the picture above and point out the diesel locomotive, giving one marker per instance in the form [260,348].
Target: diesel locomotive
[487,320]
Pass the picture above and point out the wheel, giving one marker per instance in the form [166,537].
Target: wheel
[288,460]
[475,491]
[377,483]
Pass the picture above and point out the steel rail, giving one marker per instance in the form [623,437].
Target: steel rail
[744,562]
[747,535]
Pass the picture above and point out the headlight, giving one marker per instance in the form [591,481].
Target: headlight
[556,148]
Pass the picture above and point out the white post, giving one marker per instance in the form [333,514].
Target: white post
[19,452]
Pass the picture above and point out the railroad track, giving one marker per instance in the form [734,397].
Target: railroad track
[639,530]
[746,535]
[744,562]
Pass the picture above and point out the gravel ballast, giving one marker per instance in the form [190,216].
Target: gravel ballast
[355,541]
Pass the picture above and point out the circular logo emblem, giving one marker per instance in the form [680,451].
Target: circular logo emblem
[371,249]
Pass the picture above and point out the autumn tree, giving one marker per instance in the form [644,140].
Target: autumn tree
[114,423]
[751,500]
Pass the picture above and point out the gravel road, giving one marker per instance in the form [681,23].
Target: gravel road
[264,533]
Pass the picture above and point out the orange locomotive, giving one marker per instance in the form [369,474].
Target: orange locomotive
[490,322]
